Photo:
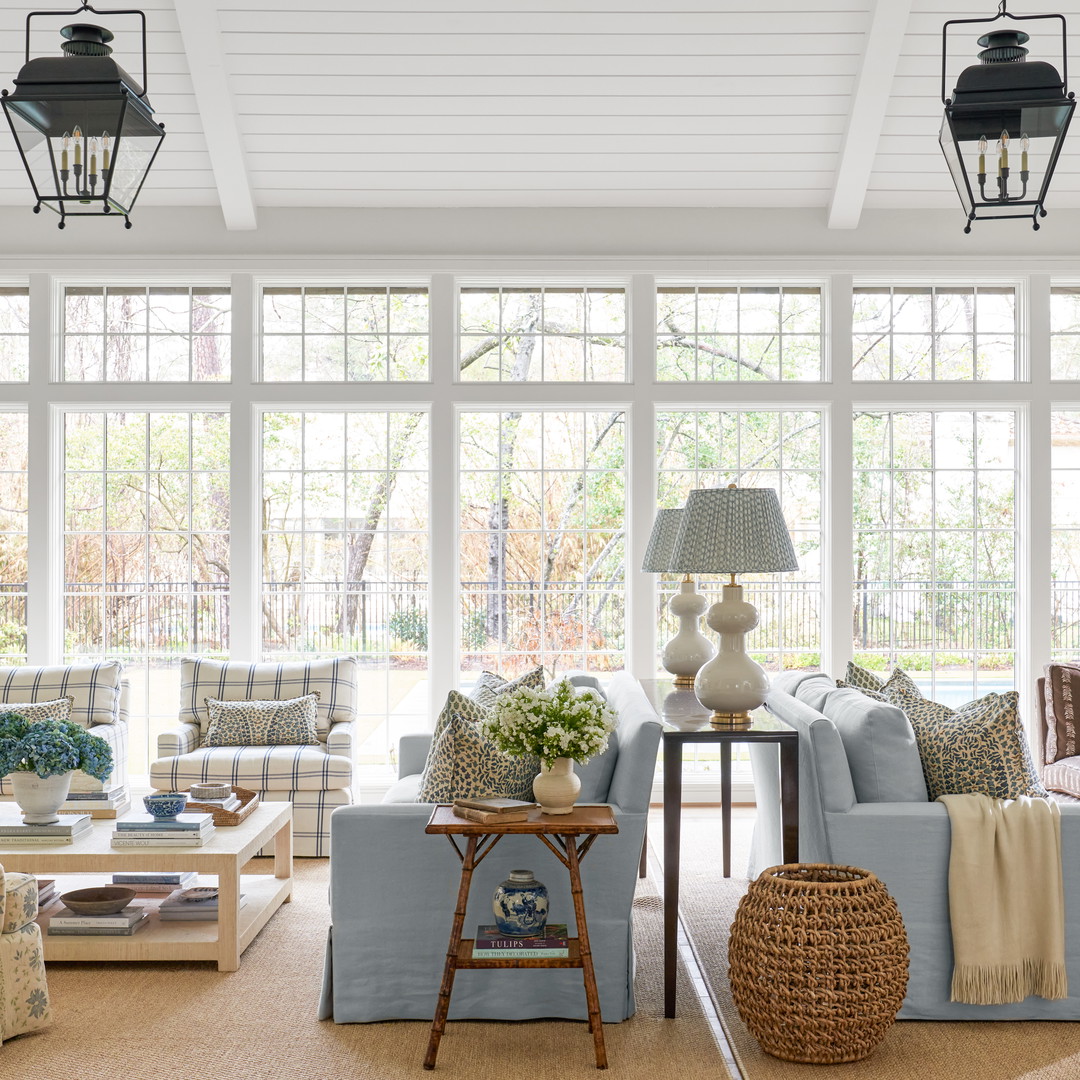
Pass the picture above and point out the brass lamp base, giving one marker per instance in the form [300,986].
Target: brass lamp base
[684,682]
[731,721]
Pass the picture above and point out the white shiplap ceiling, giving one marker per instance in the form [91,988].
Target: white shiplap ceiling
[832,104]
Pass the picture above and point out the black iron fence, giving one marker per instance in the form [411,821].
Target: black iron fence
[377,616]
[946,616]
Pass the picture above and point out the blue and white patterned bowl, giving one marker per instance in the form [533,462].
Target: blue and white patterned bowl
[165,805]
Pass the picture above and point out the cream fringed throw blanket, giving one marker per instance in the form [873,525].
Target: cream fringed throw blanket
[1006,899]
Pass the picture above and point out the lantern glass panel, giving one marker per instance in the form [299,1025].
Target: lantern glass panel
[133,152]
[952,159]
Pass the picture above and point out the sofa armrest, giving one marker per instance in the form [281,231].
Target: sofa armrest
[413,752]
[181,739]
[339,739]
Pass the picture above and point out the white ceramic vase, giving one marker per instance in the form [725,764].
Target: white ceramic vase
[39,799]
[556,789]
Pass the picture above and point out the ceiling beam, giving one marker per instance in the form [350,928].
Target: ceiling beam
[869,103]
[201,35]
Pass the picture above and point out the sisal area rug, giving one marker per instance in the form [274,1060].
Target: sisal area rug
[912,1050]
[137,1021]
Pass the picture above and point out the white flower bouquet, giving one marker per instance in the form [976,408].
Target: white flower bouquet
[560,721]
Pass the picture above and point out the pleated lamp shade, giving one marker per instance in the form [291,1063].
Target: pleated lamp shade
[733,530]
[662,542]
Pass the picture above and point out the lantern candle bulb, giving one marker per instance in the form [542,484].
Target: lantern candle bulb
[1025,142]
[78,147]
[65,144]
[1003,156]
[982,155]
[93,157]
[105,152]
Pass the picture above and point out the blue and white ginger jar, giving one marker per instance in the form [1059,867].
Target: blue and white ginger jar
[521,905]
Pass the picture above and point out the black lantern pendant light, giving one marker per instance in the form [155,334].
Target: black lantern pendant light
[83,125]
[1005,111]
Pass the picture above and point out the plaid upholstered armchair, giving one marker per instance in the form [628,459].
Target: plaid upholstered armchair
[99,701]
[316,776]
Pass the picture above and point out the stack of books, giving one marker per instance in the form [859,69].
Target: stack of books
[153,882]
[492,944]
[66,831]
[107,803]
[47,892]
[122,924]
[492,811]
[186,905]
[143,830]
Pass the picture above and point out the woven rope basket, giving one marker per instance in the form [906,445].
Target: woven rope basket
[819,962]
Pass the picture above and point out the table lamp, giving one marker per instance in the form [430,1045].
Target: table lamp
[732,531]
[685,653]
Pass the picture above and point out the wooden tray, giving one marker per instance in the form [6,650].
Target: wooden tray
[248,801]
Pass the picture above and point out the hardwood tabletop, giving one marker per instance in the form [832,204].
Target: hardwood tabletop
[581,821]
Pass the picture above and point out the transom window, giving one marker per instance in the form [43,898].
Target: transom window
[1065,333]
[146,334]
[933,333]
[351,333]
[14,334]
[767,333]
[540,334]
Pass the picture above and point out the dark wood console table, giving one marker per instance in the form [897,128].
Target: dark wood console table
[687,721]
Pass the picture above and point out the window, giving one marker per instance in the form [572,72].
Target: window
[345,334]
[13,536]
[935,542]
[542,540]
[738,333]
[1065,535]
[14,334]
[1065,333]
[345,556]
[934,333]
[146,556]
[542,334]
[441,487]
[146,334]
[773,448]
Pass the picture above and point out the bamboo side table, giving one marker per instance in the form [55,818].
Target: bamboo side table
[569,837]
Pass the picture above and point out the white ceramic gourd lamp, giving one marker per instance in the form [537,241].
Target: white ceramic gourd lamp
[685,653]
[732,531]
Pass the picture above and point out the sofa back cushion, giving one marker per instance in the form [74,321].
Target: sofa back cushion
[1060,706]
[93,688]
[979,748]
[227,680]
[879,741]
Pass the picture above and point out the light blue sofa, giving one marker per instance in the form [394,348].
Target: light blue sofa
[393,890]
[851,754]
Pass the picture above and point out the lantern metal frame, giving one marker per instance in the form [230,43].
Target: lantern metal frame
[954,110]
[126,95]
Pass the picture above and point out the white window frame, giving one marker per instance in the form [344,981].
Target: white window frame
[1032,395]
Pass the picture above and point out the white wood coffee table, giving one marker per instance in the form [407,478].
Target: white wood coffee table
[224,856]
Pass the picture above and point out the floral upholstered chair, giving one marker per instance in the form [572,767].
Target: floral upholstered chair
[24,996]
